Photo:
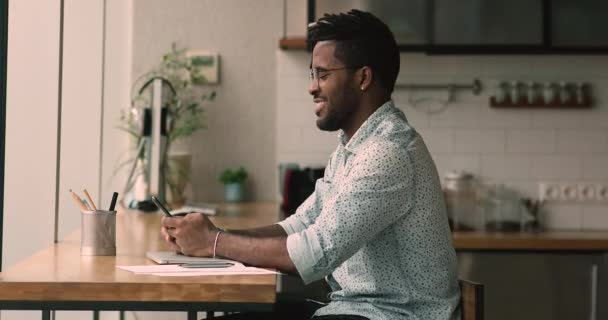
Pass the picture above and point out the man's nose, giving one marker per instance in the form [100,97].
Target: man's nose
[313,87]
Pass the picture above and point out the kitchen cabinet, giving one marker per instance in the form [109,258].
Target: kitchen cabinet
[539,285]
[580,23]
[487,22]
[408,19]
[482,26]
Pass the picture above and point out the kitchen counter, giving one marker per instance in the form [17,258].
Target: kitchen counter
[532,241]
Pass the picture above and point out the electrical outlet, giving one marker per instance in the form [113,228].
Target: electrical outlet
[601,192]
[568,192]
[549,191]
[586,192]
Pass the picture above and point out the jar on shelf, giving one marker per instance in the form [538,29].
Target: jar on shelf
[564,92]
[548,92]
[515,93]
[531,92]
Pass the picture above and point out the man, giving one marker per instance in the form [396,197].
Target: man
[375,227]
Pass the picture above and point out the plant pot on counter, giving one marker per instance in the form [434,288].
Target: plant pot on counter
[233,192]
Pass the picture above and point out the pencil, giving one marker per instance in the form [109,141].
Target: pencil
[113,203]
[89,200]
[86,204]
[78,201]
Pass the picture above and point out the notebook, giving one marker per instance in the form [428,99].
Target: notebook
[171,257]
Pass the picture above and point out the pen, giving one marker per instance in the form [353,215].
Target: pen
[113,203]
[160,206]
[208,265]
[78,201]
[89,200]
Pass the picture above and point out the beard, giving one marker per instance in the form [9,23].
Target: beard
[338,114]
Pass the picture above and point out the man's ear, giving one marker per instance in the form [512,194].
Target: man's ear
[365,78]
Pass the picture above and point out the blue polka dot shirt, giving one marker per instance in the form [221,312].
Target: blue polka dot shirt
[376,228]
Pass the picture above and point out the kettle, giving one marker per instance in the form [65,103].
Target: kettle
[505,210]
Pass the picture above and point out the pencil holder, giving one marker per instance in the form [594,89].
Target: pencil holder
[98,233]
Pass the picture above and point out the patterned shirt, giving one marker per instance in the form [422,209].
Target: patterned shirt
[376,227]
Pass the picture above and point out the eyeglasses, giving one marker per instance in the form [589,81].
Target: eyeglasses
[314,73]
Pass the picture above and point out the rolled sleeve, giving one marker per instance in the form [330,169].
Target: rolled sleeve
[305,252]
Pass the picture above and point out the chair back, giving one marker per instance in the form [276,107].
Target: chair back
[471,300]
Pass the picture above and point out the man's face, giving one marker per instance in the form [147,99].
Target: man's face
[334,92]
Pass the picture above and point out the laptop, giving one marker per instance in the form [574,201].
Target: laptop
[171,257]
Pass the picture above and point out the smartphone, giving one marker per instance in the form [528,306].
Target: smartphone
[161,207]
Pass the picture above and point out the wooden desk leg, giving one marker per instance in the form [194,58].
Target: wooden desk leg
[192,315]
[95,315]
[46,314]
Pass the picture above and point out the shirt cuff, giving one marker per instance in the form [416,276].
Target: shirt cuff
[306,254]
[292,225]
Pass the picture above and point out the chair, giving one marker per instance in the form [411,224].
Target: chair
[471,300]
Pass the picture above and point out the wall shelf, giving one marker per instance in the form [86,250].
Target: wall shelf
[298,43]
[586,104]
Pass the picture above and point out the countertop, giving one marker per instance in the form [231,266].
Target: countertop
[531,241]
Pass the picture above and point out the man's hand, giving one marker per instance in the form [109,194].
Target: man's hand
[192,235]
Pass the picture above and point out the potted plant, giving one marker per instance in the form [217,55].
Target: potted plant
[233,180]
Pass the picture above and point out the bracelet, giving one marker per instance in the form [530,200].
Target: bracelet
[217,235]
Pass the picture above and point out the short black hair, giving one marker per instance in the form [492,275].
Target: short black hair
[361,40]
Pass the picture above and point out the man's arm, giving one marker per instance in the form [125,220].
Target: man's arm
[260,251]
[273,230]
[195,235]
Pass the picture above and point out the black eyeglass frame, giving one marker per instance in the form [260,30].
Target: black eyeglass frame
[314,72]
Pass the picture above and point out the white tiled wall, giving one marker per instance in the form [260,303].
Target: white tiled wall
[516,147]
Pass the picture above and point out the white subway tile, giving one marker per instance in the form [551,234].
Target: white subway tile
[505,167]
[595,217]
[508,67]
[562,216]
[450,162]
[413,63]
[438,140]
[531,141]
[455,66]
[503,118]
[582,141]
[595,167]
[556,167]
[595,119]
[456,116]
[527,189]
[556,119]
[482,141]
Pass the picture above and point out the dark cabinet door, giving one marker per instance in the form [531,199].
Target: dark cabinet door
[536,285]
[407,19]
[487,22]
[580,23]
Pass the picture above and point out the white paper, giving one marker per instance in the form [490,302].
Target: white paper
[177,270]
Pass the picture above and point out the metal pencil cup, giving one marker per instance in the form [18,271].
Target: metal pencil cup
[98,233]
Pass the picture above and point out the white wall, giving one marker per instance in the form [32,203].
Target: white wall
[240,123]
[31,131]
[515,147]
[32,119]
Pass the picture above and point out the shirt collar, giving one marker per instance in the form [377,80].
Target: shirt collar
[366,129]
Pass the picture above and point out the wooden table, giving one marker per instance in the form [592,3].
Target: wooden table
[59,278]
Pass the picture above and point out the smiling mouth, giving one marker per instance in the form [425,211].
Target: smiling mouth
[320,104]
